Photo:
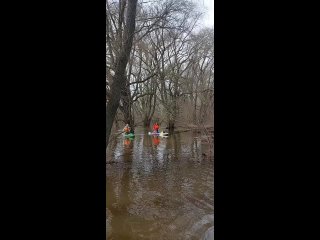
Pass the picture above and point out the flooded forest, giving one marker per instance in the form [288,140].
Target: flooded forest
[160,69]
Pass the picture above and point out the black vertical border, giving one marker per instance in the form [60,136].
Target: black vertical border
[62,63]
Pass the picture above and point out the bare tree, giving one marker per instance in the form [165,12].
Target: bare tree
[164,66]
[118,80]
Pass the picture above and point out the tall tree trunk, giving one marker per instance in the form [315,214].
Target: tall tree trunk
[147,121]
[195,109]
[127,107]
[171,125]
[119,79]
[171,121]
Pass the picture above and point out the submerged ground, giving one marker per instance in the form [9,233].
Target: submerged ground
[160,188]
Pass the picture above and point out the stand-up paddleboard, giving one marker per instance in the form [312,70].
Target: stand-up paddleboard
[130,135]
[161,134]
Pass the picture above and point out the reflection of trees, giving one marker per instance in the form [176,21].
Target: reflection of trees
[173,150]
[123,198]
[195,148]
[143,196]
[176,144]
[111,150]
[118,185]
[147,140]
[124,188]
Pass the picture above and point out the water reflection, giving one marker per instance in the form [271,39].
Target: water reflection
[159,188]
[156,140]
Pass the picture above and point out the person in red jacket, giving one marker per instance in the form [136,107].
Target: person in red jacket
[156,127]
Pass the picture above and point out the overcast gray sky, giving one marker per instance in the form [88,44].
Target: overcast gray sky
[208,18]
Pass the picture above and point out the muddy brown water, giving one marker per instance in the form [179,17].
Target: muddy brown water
[159,188]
